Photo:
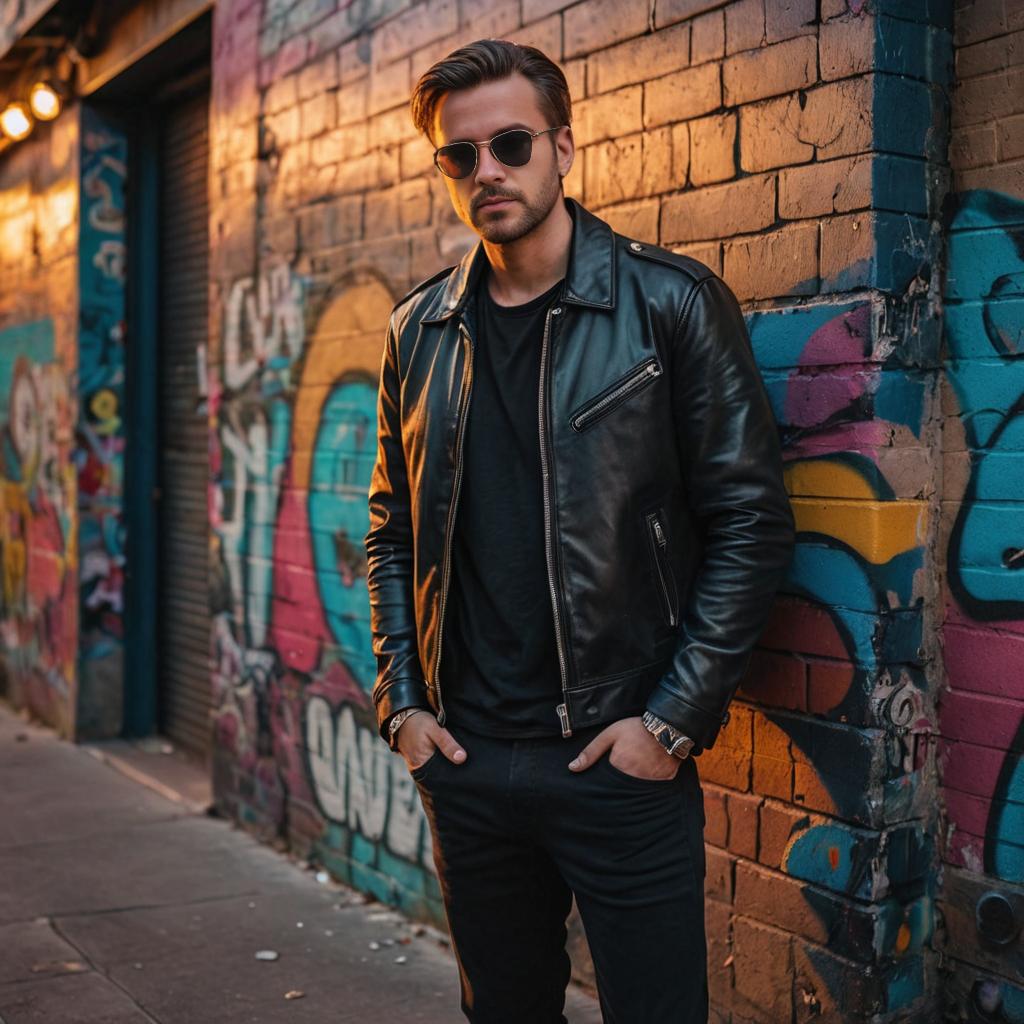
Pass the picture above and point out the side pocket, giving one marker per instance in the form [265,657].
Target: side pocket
[663,568]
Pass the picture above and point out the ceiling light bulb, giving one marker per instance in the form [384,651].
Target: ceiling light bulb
[45,101]
[15,121]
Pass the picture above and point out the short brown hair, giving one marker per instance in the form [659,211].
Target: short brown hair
[488,60]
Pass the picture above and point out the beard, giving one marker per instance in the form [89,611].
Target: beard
[513,224]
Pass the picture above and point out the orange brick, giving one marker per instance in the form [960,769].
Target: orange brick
[818,189]
[770,135]
[599,23]
[638,60]
[744,25]
[707,37]
[609,116]
[682,95]
[770,71]
[783,262]
[719,210]
[712,149]
[743,821]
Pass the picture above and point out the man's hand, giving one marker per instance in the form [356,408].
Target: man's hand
[633,750]
[419,734]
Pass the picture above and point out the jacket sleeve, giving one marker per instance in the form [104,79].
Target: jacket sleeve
[732,470]
[389,556]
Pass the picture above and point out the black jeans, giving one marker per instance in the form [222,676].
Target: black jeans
[516,834]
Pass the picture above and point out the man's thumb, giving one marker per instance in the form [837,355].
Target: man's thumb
[450,747]
[590,753]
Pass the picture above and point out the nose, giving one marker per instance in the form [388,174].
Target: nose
[488,169]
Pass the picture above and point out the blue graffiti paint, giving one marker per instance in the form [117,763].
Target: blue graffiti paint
[985,335]
[33,341]
[812,854]
[343,456]
[99,454]
[779,336]
[985,330]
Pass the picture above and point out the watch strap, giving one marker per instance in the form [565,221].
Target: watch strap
[677,743]
[395,723]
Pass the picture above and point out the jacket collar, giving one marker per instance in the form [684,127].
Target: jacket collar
[589,278]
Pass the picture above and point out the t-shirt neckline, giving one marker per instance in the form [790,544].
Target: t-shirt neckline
[524,308]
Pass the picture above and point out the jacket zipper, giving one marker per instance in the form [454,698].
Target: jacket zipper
[449,525]
[647,372]
[661,542]
[542,420]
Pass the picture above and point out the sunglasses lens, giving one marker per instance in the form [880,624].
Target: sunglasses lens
[513,148]
[457,160]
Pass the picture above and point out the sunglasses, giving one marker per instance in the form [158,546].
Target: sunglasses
[512,148]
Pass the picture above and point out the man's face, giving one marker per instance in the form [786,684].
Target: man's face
[527,194]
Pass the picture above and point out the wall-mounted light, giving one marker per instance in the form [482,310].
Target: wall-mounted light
[45,100]
[16,121]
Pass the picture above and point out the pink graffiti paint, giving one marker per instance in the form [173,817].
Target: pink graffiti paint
[844,339]
[338,686]
[298,627]
[811,398]
[834,374]
[45,562]
[956,616]
[979,718]
[968,767]
[984,660]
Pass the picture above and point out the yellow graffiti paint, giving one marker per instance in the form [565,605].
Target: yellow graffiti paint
[826,476]
[348,336]
[876,530]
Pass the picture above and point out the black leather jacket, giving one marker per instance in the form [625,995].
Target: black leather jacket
[667,526]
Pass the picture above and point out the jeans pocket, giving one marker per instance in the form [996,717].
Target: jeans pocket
[421,769]
[635,780]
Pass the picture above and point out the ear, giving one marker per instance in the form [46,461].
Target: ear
[565,150]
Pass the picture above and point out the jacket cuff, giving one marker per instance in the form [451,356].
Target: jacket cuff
[401,694]
[701,726]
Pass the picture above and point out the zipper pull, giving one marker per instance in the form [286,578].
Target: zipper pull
[658,532]
[563,717]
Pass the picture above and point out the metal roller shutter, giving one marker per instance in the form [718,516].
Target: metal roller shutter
[183,669]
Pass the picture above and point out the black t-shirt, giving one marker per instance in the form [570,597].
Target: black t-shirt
[499,667]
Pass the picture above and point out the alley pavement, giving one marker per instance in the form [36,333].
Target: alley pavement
[119,905]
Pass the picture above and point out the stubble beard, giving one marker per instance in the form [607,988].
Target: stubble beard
[510,228]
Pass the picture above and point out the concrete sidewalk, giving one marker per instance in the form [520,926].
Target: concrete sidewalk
[119,906]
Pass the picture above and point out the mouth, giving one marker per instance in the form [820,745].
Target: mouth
[495,204]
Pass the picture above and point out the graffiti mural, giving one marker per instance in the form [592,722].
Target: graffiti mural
[851,413]
[99,454]
[294,451]
[37,545]
[982,715]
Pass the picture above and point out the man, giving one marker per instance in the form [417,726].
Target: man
[577,524]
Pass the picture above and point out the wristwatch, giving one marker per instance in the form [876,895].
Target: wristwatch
[396,721]
[675,742]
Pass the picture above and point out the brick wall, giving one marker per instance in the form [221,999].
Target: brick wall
[796,147]
[982,711]
[39,206]
[62,312]
[854,170]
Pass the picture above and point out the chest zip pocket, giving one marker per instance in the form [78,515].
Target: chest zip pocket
[637,378]
[666,578]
